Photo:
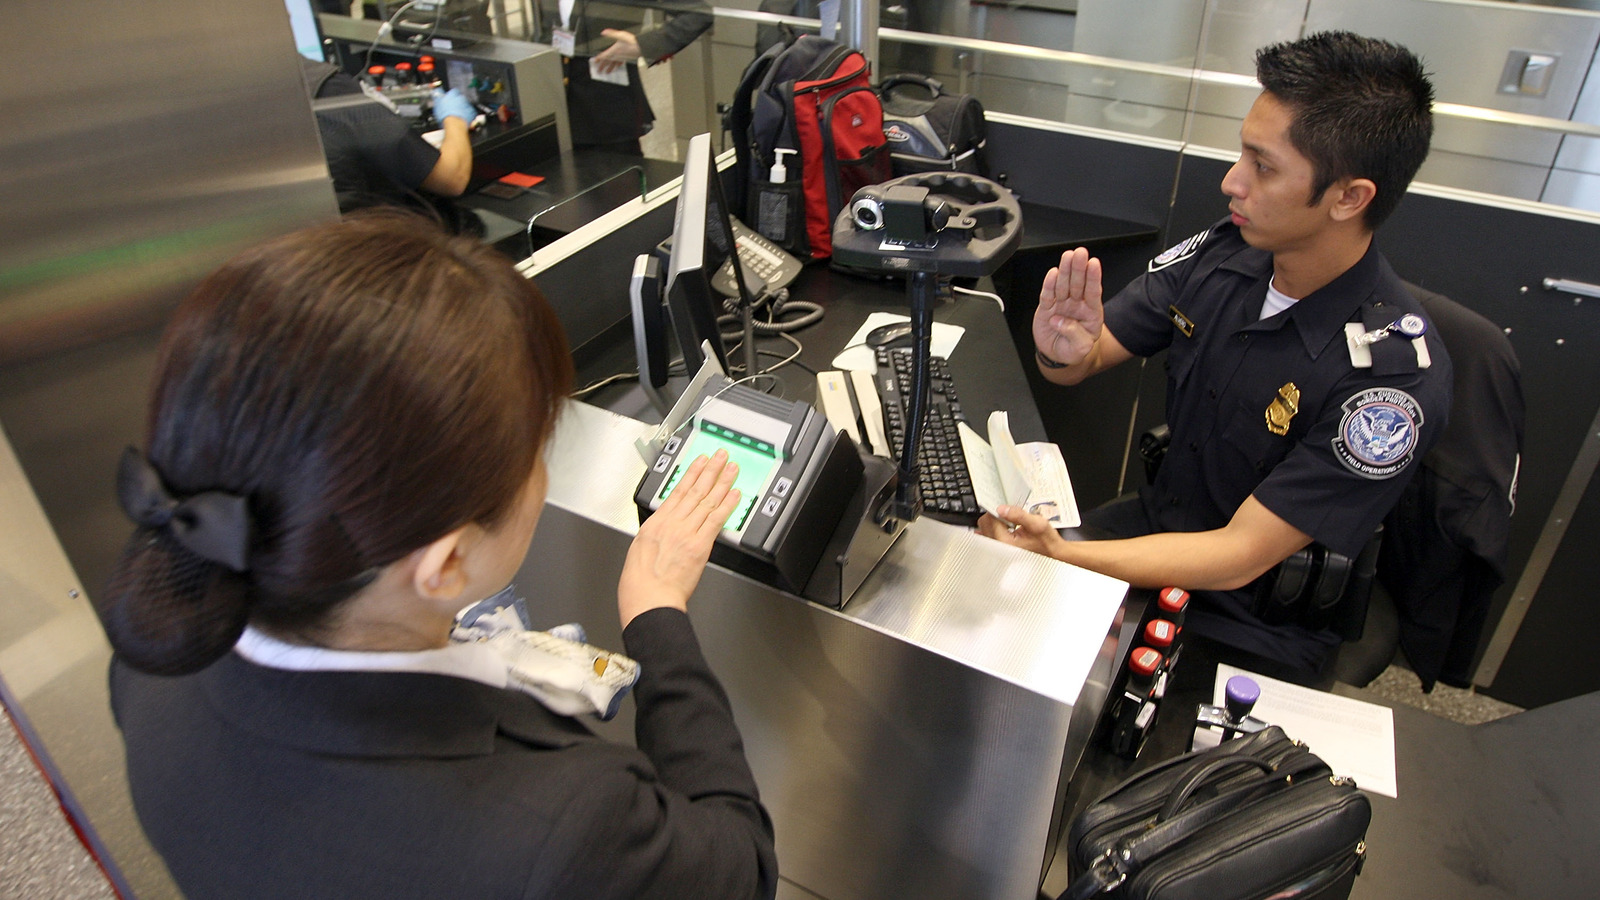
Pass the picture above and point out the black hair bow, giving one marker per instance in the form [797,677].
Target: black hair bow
[213,525]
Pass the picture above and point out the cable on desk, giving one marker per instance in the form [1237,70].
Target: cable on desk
[610,380]
[791,358]
[776,305]
[995,297]
[387,29]
[784,360]
[791,361]
[794,357]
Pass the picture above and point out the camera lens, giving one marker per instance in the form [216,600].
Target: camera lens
[868,213]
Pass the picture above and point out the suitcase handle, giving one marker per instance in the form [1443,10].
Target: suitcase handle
[1202,774]
[932,85]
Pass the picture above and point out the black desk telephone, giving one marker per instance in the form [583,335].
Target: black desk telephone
[767,267]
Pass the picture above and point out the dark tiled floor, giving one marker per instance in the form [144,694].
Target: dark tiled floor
[40,857]
[1398,684]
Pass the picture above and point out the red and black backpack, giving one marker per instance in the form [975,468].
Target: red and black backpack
[808,129]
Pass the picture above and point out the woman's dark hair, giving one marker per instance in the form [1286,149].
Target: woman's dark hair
[367,385]
[1362,108]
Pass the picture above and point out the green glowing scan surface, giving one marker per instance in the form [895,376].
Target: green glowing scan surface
[756,460]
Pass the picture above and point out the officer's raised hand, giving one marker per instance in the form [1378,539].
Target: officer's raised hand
[1069,318]
[1070,337]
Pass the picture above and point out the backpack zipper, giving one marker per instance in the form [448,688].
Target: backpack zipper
[834,57]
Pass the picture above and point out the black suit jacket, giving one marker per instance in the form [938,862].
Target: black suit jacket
[260,782]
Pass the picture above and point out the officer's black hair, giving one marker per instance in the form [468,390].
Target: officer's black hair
[1362,108]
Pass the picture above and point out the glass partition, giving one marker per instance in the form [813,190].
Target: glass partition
[1517,115]
[1513,116]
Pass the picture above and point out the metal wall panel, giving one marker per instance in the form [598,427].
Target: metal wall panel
[144,143]
[1465,45]
[53,660]
[1575,180]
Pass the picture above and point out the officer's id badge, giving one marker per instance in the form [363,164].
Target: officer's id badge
[1378,433]
[1179,252]
[1280,412]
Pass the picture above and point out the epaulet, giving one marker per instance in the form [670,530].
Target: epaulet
[1388,349]
[1180,251]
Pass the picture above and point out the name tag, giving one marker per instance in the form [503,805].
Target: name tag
[1184,323]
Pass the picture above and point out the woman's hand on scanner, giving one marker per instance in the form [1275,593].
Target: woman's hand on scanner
[673,545]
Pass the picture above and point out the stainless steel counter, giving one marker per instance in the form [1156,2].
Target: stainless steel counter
[918,742]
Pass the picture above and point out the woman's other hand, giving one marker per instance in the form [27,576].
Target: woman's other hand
[674,544]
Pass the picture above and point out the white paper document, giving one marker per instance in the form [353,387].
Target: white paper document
[1032,475]
[857,356]
[1355,739]
[619,75]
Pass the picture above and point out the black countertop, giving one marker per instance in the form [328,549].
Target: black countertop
[985,365]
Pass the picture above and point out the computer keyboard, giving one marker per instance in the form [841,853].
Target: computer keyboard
[942,468]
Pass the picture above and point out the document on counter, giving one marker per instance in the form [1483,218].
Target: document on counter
[1032,475]
[857,356]
[1354,738]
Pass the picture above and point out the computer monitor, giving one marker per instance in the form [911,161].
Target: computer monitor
[702,242]
[307,31]
[451,20]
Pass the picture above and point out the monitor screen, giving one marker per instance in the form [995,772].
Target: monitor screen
[701,240]
[307,34]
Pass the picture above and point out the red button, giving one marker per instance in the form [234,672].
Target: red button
[1159,633]
[1143,662]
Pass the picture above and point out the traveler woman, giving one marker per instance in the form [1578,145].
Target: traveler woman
[344,450]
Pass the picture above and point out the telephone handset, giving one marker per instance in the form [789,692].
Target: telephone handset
[772,265]
[767,267]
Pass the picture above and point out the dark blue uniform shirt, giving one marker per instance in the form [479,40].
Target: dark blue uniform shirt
[1351,435]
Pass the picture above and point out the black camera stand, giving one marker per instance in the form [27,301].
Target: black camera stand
[930,227]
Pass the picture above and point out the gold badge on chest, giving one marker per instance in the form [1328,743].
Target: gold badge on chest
[1280,412]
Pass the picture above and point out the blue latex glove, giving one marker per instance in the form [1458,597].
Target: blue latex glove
[452,103]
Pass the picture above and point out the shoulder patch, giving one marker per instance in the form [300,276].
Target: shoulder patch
[1180,251]
[1378,433]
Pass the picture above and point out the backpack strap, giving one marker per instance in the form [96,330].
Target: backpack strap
[737,120]
[830,167]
